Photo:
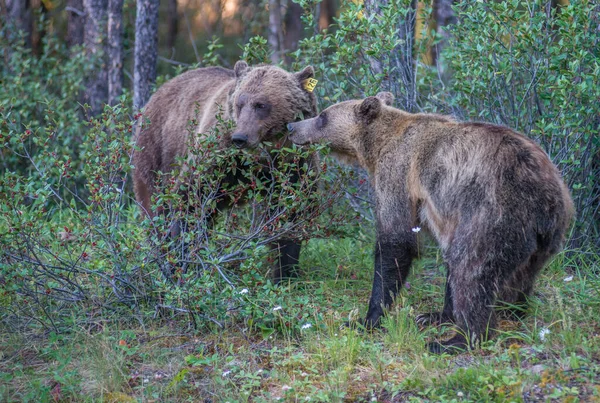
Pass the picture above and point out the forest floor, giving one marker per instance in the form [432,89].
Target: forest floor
[552,355]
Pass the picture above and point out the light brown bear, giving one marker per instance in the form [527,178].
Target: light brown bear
[260,100]
[490,196]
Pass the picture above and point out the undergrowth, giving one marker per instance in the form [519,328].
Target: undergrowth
[98,303]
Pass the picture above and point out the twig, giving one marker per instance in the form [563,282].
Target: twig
[76,11]
[174,62]
[183,310]
[187,23]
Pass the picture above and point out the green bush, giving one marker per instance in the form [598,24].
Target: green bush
[537,70]
[74,244]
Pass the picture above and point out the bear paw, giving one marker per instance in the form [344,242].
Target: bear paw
[433,319]
[364,324]
[454,345]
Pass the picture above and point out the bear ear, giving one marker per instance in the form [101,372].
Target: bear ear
[306,73]
[386,97]
[240,68]
[369,109]
[306,80]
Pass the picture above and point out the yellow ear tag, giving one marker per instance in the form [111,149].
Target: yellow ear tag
[309,84]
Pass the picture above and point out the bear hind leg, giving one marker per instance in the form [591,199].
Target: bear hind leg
[513,300]
[473,295]
[288,257]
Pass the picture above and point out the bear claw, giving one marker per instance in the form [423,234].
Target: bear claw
[433,319]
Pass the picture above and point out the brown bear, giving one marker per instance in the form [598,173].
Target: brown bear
[260,100]
[490,196]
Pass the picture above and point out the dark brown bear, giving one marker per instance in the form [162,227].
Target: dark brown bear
[260,100]
[490,196]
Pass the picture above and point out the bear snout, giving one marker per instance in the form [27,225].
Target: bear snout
[240,140]
[296,133]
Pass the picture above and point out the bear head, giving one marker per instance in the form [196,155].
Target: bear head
[341,125]
[264,99]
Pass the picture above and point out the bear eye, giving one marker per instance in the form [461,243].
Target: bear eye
[321,120]
[260,106]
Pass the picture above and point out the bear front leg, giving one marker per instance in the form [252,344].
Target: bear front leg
[288,252]
[392,264]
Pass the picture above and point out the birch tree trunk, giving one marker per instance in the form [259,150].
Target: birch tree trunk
[115,50]
[94,34]
[146,49]
[75,22]
[405,59]
[275,37]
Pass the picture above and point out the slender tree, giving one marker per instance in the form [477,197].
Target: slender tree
[115,50]
[173,20]
[75,22]
[400,69]
[326,13]
[275,36]
[146,51]
[444,16]
[293,27]
[94,37]
[19,13]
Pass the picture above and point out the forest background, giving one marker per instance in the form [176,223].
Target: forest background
[98,304]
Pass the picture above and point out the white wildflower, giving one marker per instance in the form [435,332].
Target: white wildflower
[226,373]
[460,394]
[244,291]
[277,308]
[543,333]
[286,387]
[416,230]
[306,326]
[567,279]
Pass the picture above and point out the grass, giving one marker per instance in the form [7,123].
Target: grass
[552,355]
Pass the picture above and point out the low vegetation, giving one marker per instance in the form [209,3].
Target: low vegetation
[95,305]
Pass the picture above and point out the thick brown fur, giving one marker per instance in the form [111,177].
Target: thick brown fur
[260,100]
[490,196]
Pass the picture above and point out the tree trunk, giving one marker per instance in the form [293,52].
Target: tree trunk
[444,16]
[293,28]
[75,22]
[146,49]
[19,14]
[95,39]
[326,13]
[275,30]
[115,50]
[173,23]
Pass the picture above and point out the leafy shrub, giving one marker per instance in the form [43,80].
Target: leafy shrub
[74,244]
